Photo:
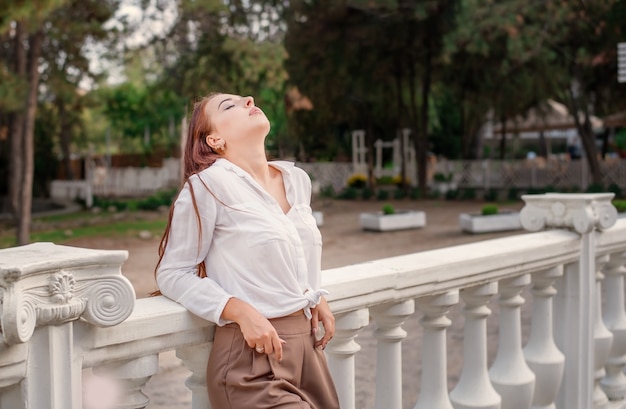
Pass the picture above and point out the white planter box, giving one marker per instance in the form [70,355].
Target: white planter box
[319,218]
[402,219]
[477,223]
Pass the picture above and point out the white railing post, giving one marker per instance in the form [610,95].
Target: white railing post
[434,381]
[195,359]
[603,338]
[575,304]
[541,353]
[474,389]
[510,375]
[389,334]
[614,383]
[44,289]
[341,351]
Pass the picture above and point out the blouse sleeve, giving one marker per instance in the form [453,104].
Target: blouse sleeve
[188,245]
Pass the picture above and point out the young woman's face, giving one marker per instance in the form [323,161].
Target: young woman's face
[236,118]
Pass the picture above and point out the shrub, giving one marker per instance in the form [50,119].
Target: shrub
[442,177]
[489,210]
[382,194]
[620,205]
[415,193]
[452,194]
[348,193]
[357,181]
[399,193]
[620,139]
[513,193]
[398,180]
[327,192]
[535,191]
[385,180]
[468,193]
[389,209]
[617,190]
[595,188]
[367,193]
[491,195]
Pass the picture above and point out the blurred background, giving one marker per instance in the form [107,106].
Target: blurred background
[90,87]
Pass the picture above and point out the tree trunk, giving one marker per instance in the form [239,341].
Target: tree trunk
[16,164]
[65,137]
[587,137]
[422,147]
[26,193]
[503,137]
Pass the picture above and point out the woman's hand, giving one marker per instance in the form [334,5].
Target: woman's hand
[322,313]
[258,332]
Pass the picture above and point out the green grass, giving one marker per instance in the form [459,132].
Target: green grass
[107,228]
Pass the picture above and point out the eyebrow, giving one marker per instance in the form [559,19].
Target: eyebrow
[227,99]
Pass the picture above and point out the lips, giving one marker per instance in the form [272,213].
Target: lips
[255,110]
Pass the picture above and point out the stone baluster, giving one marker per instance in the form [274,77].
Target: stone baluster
[131,376]
[45,288]
[603,338]
[510,375]
[341,351]
[541,353]
[13,364]
[614,383]
[474,389]
[195,359]
[434,386]
[575,301]
[389,334]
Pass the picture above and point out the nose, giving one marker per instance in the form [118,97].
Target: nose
[248,101]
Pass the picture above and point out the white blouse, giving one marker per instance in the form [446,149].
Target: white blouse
[252,250]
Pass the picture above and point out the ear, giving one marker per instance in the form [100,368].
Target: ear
[214,140]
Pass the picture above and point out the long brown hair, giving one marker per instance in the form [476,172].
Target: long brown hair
[197,156]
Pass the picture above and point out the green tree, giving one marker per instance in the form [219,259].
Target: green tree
[28,31]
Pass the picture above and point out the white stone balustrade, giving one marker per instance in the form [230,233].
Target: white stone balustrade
[389,319]
[341,354]
[541,353]
[510,375]
[474,389]
[76,303]
[434,388]
[603,338]
[614,383]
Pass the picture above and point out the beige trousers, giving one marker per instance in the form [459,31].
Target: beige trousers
[238,377]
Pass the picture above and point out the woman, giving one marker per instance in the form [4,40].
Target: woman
[242,249]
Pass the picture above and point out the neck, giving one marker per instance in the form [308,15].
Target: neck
[252,160]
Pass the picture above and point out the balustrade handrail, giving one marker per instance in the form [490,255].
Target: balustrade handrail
[50,294]
[351,287]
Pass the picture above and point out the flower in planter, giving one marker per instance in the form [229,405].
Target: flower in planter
[357,180]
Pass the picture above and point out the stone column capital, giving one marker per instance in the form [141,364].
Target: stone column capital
[48,284]
[579,212]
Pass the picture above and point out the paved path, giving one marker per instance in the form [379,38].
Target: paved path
[344,243]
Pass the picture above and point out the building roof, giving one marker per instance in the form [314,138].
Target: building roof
[548,116]
[614,120]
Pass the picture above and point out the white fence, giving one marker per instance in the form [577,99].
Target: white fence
[66,309]
[481,174]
